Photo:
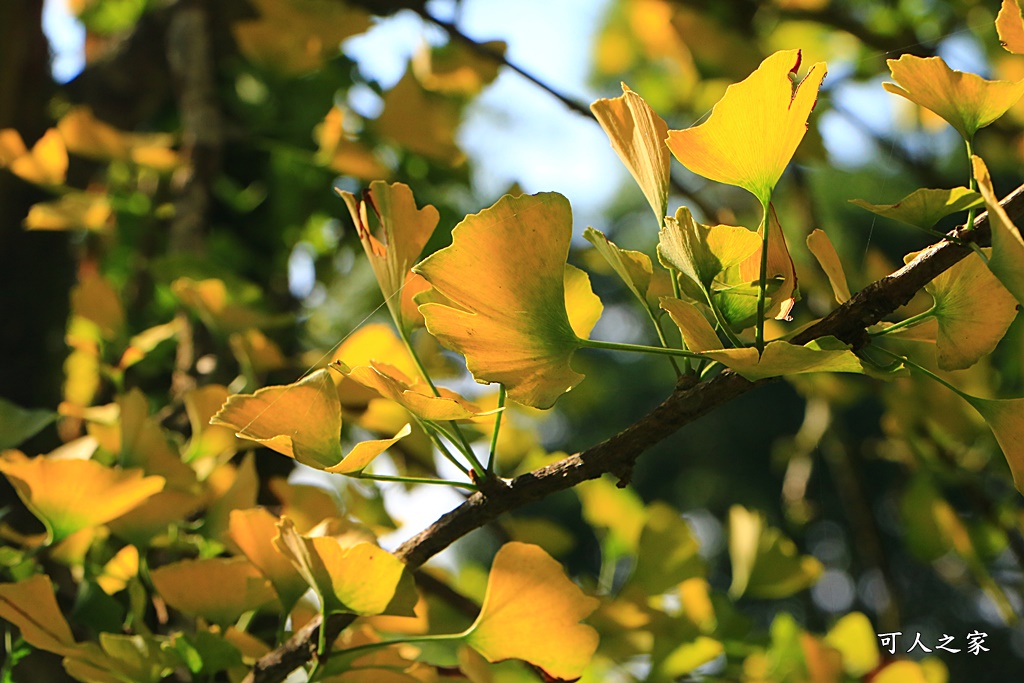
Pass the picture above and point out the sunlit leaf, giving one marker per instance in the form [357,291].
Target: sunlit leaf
[633,267]
[765,564]
[619,510]
[826,354]
[1007,243]
[416,398]
[902,671]
[31,606]
[359,579]
[924,208]
[965,100]
[638,136]
[531,611]
[821,247]
[345,156]
[390,211]
[754,129]
[253,531]
[854,637]
[581,304]
[72,211]
[143,343]
[300,420]
[702,252]
[208,441]
[509,317]
[456,69]
[973,311]
[45,164]
[18,424]
[1010,27]
[697,332]
[117,572]
[421,121]
[218,589]
[87,136]
[70,495]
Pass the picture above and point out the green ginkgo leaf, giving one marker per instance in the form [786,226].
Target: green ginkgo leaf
[1007,262]
[925,207]
[498,297]
[703,252]
[967,101]
[780,358]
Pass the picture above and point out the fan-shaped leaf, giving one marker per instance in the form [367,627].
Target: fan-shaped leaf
[219,589]
[924,208]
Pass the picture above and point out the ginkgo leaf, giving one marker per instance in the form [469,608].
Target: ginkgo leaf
[1005,417]
[697,332]
[30,605]
[73,211]
[532,611]
[207,440]
[638,136]
[70,495]
[965,100]
[754,129]
[253,531]
[359,579]
[45,164]
[498,297]
[456,69]
[581,304]
[780,270]
[854,637]
[973,311]
[1010,27]
[702,252]
[668,551]
[300,420]
[416,398]
[925,207]
[391,211]
[347,157]
[765,564]
[219,589]
[821,247]
[826,354]
[421,121]
[633,267]
[1007,243]
[119,570]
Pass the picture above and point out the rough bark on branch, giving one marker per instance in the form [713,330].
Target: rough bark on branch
[617,454]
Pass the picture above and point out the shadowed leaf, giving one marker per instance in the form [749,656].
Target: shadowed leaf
[1007,262]
[924,208]
[218,589]
[821,247]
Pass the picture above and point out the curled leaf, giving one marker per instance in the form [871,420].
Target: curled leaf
[498,297]
[638,136]
[1007,243]
[754,129]
[821,247]
[826,354]
[925,207]
[531,611]
[965,100]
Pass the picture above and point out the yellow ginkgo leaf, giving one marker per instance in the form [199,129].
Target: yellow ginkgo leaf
[121,567]
[821,247]
[45,164]
[345,156]
[965,100]
[581,304]
[697,332]
[390,210]
[498,297]
[208,441]
[1007,262]
[925,207]
[1005,417]
[70,495]
[300,420]
[633,267]
[854,637]
[253,531]
[532,611]
[416,398]
[902,671]
[87,136]
[219,589]
[779,358]
[638,136]
[73,211]
[973,311]
[765,564]
[359,579]
[31,606]
[1010,27]
[754,129]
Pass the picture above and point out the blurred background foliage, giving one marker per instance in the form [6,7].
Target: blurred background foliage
[220,255]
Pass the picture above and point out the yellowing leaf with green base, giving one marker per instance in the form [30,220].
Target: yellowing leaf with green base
[531,611]
[826,354]
[300,420]
[31,606]
[638,136]
[965,100]
[218,589]
[754,129]
[391,211]
[498,297]
[253,531]
[703,252]
[71,495]
[1010,27]
[821,247]
[359,579]
[633,267]
[973,311]
[765,564]
[1007,262]
[924,208]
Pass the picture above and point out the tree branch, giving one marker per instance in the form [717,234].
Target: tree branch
[617,455]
